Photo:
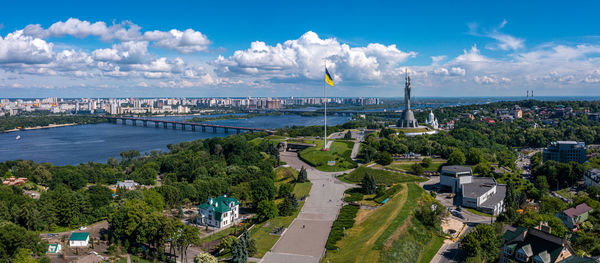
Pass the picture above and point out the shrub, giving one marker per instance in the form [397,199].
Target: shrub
[345,220]
[354,197]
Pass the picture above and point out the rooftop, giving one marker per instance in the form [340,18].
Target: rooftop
[578,210]
[456,169]
[495,198]
[79,236]
[478,186]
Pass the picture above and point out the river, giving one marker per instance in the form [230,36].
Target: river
[96,142]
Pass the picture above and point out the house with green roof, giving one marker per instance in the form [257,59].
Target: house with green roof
[79,239]
[54,248]
[219,212]
[534,245]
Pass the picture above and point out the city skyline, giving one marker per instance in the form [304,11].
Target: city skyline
[240,49]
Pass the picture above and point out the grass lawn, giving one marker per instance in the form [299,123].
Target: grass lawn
[406,166]
[476,212]
[284,175]
[381,176]
[358,245]
[218,235]
[274,139]
[339,151]
[566,193]
[264,240]
[302,189]
[389,233]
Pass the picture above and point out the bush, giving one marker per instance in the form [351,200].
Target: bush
[354,197]
[345,220]
[426,162]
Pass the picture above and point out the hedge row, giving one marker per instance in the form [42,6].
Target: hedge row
[354,197]
[344,220]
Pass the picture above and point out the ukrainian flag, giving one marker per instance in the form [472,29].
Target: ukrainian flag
[328,78]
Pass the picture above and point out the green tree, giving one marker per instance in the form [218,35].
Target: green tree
[124,222]
[483,242]
[99,196]
[474,156]
[153,199]
[426,163]
[266,210]
[483,169]
[263,189]
[285,189]
[456,158]
[302,175]
[542,185]
[239,252]
[417,168]
[23,255]
[205,258]
[289,205]
[368,184]
[383,158]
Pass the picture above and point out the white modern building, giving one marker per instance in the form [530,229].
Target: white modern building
[481,193]
[219,212]
[454,176]
[484,194]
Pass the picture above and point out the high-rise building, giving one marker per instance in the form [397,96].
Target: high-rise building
[565,151]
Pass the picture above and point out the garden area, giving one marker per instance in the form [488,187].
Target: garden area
[339,151]
[381,176]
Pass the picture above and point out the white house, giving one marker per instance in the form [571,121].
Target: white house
[79,239]
[219,212]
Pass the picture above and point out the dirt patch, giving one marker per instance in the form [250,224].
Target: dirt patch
[398,232]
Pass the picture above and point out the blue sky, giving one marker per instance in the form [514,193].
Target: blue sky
[277,48]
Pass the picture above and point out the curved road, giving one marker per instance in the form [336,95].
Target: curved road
[304,240]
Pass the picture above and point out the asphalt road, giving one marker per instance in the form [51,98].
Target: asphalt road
[304,240]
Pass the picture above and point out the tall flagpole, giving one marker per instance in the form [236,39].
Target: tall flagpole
[325,97]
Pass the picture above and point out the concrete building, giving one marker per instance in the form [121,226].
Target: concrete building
[484,194]
[79,239]
[565,151]
[407,120]
[454,176]
[573,216]
[481,193]
[592,177]
[219,212]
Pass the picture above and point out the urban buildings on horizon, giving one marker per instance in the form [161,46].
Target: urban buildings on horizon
[163,105]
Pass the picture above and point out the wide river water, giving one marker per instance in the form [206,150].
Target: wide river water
[97,142]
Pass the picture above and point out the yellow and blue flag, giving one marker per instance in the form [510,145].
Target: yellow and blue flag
[328,78]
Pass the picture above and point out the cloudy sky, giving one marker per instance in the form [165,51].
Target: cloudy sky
[269,48]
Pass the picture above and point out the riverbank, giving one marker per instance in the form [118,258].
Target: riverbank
[41,127]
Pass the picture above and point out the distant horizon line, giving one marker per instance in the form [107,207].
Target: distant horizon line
[285,97]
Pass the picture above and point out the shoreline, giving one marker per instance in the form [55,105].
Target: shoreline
[41,127]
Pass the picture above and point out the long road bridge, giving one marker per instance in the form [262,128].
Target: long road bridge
[182,124]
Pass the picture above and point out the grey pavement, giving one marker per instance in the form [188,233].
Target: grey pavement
[304,240]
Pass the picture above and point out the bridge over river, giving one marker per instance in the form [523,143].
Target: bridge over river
[183,124]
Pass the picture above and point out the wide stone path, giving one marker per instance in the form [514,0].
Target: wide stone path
[304,240]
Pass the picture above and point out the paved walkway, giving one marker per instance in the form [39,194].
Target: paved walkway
[305,239]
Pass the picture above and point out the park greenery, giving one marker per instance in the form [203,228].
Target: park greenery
[28,121]
[190,172]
